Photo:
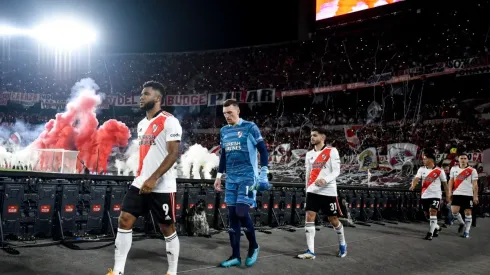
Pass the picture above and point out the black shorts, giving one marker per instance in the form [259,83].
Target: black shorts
[465,202]
[431,203]
[162,205]
[328,204]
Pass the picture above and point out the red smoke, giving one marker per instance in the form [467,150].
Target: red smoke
[76,129]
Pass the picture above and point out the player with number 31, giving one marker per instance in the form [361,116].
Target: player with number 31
[322,168]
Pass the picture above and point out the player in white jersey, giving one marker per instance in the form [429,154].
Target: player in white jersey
[322,168]
[463,190]
[154,186]
[432,177]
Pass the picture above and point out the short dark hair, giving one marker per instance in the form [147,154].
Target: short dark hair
[463,154]
[230,102]
[319,130]
[157,86]
[430,154]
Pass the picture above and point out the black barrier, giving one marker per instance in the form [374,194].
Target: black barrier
[74,208]
[299,207]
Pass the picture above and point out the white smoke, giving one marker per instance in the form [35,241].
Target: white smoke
[129,164]
[19,157]
[195,158]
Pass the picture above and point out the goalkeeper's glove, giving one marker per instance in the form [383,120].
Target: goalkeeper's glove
[262,183]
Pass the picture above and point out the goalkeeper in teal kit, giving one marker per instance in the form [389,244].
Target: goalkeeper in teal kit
[240,142]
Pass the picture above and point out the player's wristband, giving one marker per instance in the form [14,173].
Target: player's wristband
[218,176]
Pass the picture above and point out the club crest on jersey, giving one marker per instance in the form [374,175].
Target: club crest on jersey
[324,156]
[239,134]
[155,128]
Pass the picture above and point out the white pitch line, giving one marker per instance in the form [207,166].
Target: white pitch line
[280,254]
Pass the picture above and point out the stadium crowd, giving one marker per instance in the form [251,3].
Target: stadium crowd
[344,57]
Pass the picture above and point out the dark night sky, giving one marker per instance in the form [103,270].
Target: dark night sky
[167,25]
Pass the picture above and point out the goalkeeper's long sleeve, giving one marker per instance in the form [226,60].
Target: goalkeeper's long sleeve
[264,155]
[222,162]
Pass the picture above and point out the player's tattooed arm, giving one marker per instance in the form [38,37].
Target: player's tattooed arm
[170,159]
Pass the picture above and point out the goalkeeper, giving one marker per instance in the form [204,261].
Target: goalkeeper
[240,140]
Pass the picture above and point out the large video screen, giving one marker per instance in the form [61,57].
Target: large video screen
[331,8]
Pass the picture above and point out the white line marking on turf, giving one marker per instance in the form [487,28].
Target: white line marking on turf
[280,254]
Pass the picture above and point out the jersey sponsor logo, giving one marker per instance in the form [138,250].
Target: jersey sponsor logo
[431,177]
[232,146]
[318,165]
[147,140]
[462,177]
[175,135]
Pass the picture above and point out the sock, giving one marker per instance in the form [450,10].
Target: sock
[468,220]
[433,224]
[124,239]
[310,231]
[340,233]
[234,231]
[172,244]
[458,218]
[246,221]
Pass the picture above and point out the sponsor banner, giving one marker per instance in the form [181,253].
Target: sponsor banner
[4,98]
[249,97]
[441,121]
[486,161]
[29,98]
[367,159]
[186,100]
[401,153]
[467,63]
[379,78]
[415,73]
[484,70]
[124,101]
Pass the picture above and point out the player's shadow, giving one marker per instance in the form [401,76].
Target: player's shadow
[145,254]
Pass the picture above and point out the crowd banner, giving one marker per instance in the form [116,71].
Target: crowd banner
[186,100]
[401,153]
[367,159]
[248,97]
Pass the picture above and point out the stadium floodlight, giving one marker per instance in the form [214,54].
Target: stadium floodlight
[64,34]
[10,31]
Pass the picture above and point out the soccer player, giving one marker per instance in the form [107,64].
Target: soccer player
[154,186]
[432,177]
[463,192]
[322,168]
[240,140]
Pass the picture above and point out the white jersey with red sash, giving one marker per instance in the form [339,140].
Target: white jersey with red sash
[431,182]
[463,180]
[323,164]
